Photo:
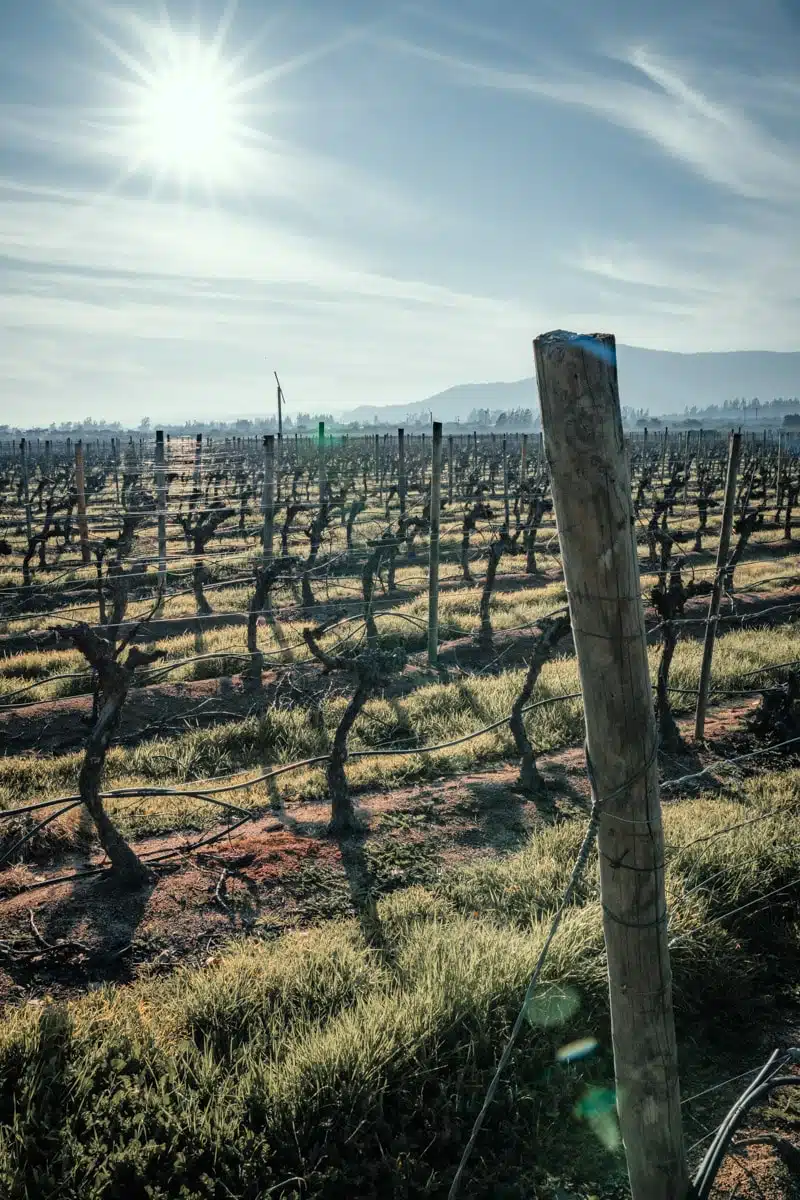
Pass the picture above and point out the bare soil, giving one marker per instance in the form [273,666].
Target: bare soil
[283,870]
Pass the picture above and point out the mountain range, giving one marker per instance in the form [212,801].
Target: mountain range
[661,381]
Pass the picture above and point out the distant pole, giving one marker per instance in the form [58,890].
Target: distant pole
[80,488]
[581,417]
[321,456]
[378,468]
[734,454]
[23,453]
[198,459]
[433,573]
[268,503]
[161,496]
[506,509]
[523,461]
[115,457]
[450,469]
[779,475]
[401,471]
[664,452]
[280,407]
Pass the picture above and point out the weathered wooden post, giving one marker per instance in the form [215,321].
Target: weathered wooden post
[450,469]
[321,460]
[267,499]
[523,460]
[115,458]
[23,454]
[433,574]
[664,453]
[198,460]
[401,471]
[378,482]
[734,454]
[161,500]
[506,509]
[585,449]
[80,488]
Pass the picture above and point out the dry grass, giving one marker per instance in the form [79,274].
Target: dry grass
[358,1065]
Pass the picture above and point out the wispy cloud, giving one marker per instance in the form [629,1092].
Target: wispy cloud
[715,138]
[128,274]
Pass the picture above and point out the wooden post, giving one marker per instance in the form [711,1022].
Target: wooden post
[198,460]
[80,488]
[585,448]
[321,459]
[523,460]
[161,499]
[23,453]
[378,486]
[401,471]
[664,452]
[450,469]
[433,572]
[115,457]
[734,454]
[506,509]
[267,502]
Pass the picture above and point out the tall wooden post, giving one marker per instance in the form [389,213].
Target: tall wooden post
[450,469]
[267,500]
[378,485]
[664,452]
[523,461]
[734,454]
[198,460]
[401,471]
[23,454]
[506,508]
[115,458]
[161,500]
[433,573]
[321,460]
[585,449]
[80,488]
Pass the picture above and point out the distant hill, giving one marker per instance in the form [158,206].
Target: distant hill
[659,380]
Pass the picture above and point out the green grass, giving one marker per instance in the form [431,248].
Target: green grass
[357,1067]
[427,716]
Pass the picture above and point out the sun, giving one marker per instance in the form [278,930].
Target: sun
[186,121]
[181,108]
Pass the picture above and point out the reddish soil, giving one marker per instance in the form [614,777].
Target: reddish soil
[163,708]
[279,871]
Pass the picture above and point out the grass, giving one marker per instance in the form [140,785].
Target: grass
[325,1065]
[349,1060]
[427,716]
[402,625]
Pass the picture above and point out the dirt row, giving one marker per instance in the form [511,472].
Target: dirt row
[282,870]
[162,709]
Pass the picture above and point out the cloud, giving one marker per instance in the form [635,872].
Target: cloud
[732,285]
[715,138]
[207,299]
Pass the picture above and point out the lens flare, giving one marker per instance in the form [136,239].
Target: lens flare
[574,1051]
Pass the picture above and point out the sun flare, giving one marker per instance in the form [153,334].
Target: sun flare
[187,119]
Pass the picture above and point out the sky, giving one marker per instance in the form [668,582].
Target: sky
[379,200]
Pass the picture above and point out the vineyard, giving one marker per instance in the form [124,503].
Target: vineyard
[293,782]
